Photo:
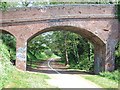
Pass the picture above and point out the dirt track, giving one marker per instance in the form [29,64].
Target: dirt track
[61,77]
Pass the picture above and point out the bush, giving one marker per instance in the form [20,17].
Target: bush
[111,75]
[6,68]
[48,52]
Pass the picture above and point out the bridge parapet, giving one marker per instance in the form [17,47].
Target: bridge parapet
[58,12]
[97,23]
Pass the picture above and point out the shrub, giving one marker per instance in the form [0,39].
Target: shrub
[6,68]
[111,75]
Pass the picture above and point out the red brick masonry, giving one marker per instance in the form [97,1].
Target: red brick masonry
[97,23]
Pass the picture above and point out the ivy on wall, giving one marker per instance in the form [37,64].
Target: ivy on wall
[4,6]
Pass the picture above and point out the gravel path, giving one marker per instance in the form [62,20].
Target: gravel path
[63,78]
[70,81]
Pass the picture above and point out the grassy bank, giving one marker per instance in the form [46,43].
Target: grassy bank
[107,80]
[10,77]
[104,82]
[27,80]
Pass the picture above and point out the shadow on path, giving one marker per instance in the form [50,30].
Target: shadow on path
[43,67]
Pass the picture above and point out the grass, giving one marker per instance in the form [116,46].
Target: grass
[28,80]
[13,78]
[105,80]
[10,77]
[102,81]
[111,75]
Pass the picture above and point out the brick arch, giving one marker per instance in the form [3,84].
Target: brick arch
[11,34]
[99,45]
[97,23]
[94,39]
[7,32]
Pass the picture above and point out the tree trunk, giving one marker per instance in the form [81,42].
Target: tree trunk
[76,61]
[89,51]
[66,57]
[75,49]
[66,53]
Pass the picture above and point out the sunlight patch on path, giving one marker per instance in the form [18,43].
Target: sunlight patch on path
[70,81]
[52,67]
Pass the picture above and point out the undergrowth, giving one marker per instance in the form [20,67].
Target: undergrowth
[111,75]
[10,77]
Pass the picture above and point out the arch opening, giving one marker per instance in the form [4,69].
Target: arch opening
[96,41]
[8,41]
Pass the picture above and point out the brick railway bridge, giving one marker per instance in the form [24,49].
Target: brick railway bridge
[97,23]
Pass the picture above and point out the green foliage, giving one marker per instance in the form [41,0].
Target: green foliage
[55,56]
[10,77]
[42,56]
[6,68]
[10,43]
[4,5]
[37,49]
[117,56]
[27,3]
[30,56]
[111,75]
[48,52]
[79,50]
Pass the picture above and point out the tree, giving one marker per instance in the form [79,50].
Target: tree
[72,48]
[117,56]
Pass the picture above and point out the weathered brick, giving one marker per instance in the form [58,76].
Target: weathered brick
[97,23]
